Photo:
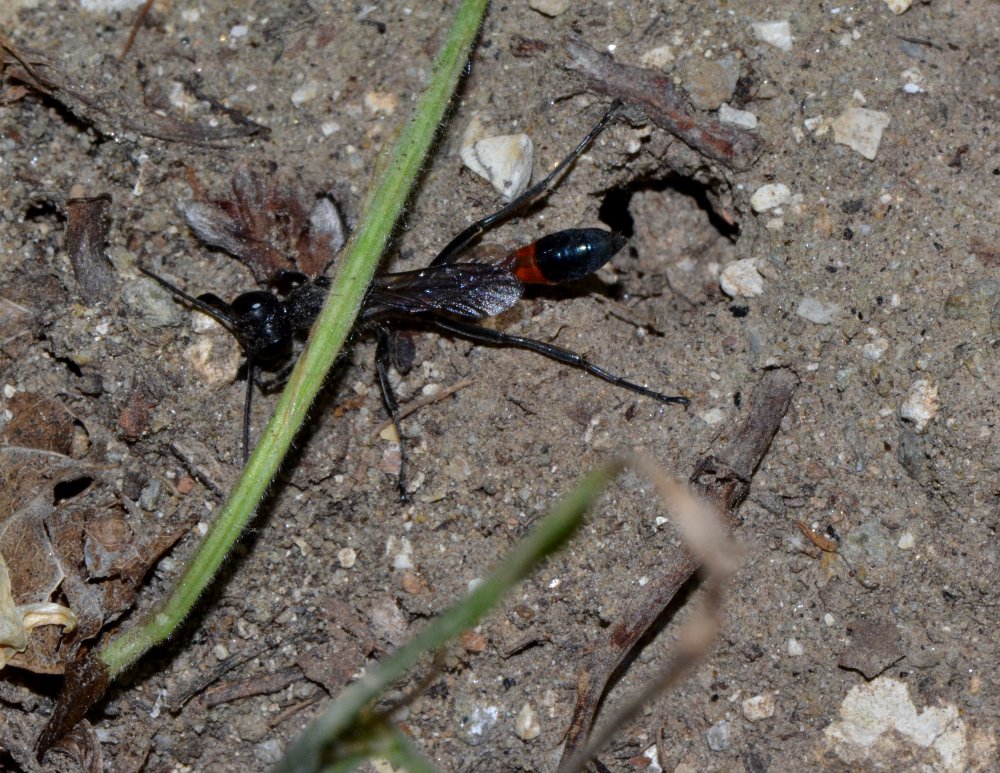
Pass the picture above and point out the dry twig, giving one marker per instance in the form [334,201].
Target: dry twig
[724,480]
[664,104]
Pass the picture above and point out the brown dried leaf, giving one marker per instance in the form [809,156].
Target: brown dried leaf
[28,481]
[63,530]
[267,219]
[38,422]
[87,679]
[83,747]
[17,621]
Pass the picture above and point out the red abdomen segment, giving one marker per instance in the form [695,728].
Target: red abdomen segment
[565,255]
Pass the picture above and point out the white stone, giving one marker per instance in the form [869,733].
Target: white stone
[526,724]
[660,56]
[307,92]
[775,33]
[741,279]
[769,196]
[744,119]
[550,7]
[913,81]
[504,161]
[347,557]
[876,349]
[818,125]
[817,311]
[759,707]
[861,130]
[921,404]
[898,6]
[879,724]
[110,6]
[794,648]
[712,416]
[906,541]
[401,550]
[652,754]
[719,736]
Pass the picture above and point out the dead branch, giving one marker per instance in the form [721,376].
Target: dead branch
[724,480]
[664,104]
[112,112]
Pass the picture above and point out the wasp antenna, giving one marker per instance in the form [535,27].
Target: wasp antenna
[216,313]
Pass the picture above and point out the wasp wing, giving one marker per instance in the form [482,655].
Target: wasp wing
[473,290]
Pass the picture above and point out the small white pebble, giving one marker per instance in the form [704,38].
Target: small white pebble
[347,557]
[906,541]
[741,279]
[921,404]
[239,31]
[719,736]
[220,652]
[401,550]
[775,33]
[712,416]
[861,130]
[898,6]
[795,648]
[759,707]
[504,161]
[817,312]
[875,350]
[829,619]
[660,56]
[9,390]
[526,724]
[744,119]
[384,102]
[913,80]
[769,196]
[307,92]
[818,125]
[549,7]
[110,6]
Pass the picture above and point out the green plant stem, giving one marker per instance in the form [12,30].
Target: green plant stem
[357,267]
[317,746]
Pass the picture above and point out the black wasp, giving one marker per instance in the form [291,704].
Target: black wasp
[445,294]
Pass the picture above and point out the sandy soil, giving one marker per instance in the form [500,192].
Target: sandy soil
[879,289]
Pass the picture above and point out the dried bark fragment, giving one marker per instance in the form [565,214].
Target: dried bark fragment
[664,104]
[87,223]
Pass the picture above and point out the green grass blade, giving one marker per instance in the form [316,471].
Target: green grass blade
[317,745]
[357,266]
